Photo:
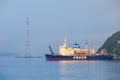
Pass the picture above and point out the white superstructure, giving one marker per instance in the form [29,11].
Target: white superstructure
[75,50]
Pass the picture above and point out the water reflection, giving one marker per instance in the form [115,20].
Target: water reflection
[72,70]
[38,69]
[90,70]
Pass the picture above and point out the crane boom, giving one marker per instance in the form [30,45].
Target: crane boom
[51,50]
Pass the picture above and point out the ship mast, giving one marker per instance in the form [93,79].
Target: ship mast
[86,44]
[65,44]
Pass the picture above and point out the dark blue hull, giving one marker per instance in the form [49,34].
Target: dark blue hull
[53,57]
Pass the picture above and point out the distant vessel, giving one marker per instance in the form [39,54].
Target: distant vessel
[76,53]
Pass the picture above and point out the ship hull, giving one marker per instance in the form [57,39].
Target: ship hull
[53,57]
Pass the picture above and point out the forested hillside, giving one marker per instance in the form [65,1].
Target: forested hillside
[112,44]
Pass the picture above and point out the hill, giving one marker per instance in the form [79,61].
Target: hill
[112,44]
[7,54]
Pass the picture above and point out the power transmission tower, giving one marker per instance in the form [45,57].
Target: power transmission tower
[27,40]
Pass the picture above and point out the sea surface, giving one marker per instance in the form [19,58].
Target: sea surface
[40,69]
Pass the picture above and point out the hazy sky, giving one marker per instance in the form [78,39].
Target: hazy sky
[52,20]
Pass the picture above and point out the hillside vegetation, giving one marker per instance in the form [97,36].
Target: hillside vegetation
[112,44]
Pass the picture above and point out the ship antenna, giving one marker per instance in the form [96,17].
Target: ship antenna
[27,41]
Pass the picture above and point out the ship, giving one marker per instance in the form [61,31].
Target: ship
[76,53]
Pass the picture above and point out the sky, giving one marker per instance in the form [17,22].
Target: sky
[52,20]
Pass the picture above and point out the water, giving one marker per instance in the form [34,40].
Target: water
[39,69]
